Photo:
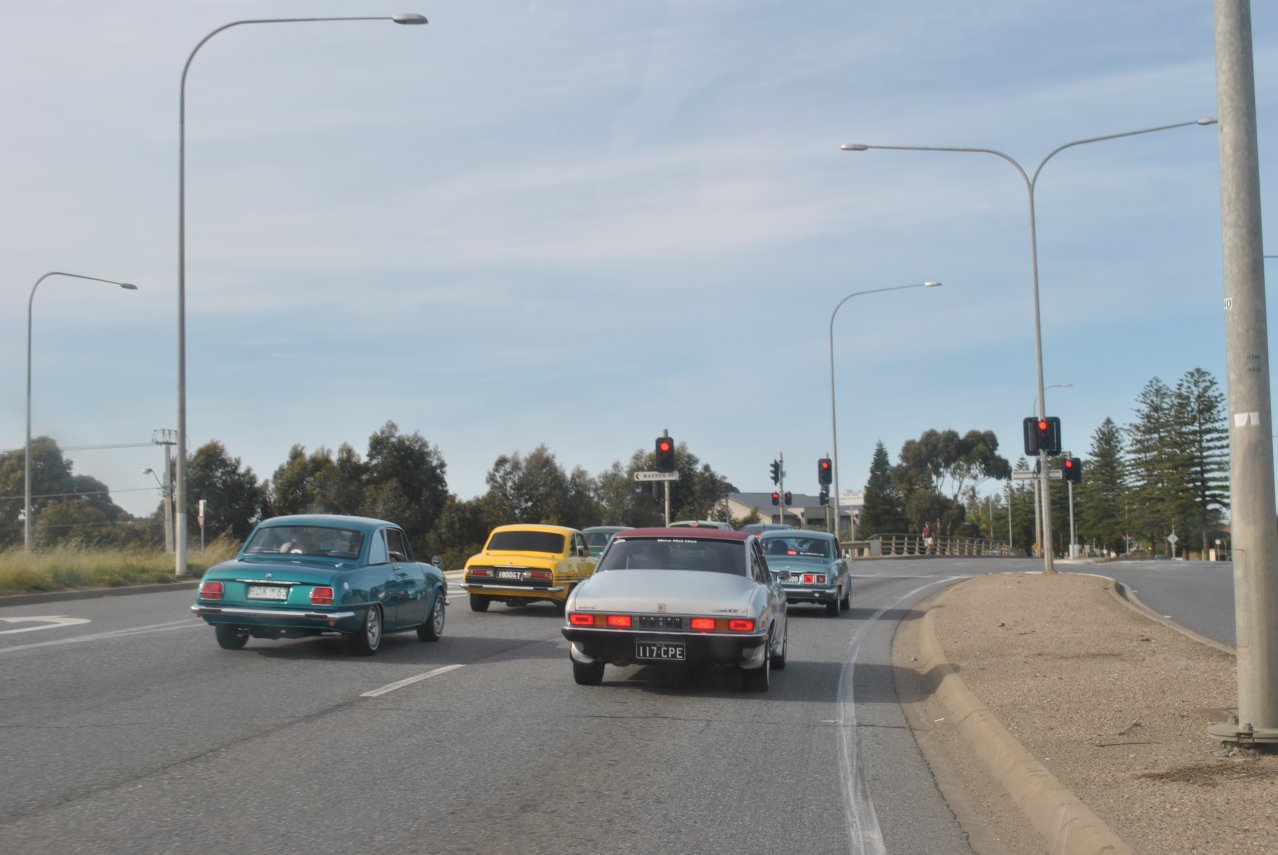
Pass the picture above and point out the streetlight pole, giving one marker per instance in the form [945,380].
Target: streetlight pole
[406,18]
[1030,183]
[27,510]
[834,424]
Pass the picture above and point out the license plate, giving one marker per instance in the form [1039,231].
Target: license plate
[510,574]
[267,592]
[661,652]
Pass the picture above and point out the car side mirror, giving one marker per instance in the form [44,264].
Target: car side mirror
[438,561]
[396,556]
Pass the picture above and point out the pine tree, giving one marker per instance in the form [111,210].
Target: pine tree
[1103,491]
[1202,426]
[1156,461]
[884,511]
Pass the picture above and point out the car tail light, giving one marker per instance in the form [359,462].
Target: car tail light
[322,596]
[807,578]
[575,619]
[741,625]
[820,579]
[211,590]
[701,623]
[539,574]
[477,571]
[619,621]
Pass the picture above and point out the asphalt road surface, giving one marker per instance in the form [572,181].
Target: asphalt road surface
[124,728]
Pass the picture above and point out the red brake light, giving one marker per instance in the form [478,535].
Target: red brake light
[322,596]
[477,571]
[211,590]
[701,623]
[539,574]
[740,625]
[807,578]
[620,621]
[576,619]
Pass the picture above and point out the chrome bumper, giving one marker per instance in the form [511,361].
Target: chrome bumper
[205,611]
[516,588]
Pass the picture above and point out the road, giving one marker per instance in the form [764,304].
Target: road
[124,728]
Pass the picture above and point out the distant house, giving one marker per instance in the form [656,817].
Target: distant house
[805,511]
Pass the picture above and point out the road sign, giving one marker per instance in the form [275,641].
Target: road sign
[1052,474]
[656,476]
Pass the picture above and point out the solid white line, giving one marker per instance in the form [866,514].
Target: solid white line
[408,681]
[99,636]
[864,834]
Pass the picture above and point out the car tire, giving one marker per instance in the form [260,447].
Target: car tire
[833,607]
[778,659]
[433,628]
[479,603]
[231,637]
[587,673]
[369,638]
[846,602]
[759,679]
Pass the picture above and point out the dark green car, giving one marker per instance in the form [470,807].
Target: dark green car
[319,574]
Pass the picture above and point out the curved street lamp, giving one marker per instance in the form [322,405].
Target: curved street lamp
[1030,183]
[27,510]
[834,425]
[406,18]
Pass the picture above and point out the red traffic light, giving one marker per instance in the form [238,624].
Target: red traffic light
[776,498]
[824,471]
[665,454]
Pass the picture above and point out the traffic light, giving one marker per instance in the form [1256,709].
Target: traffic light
[776,473]
[776,498]
[1042,435]
[825,495]
[1072,470]
[789,500]
[665,454]
[824,471]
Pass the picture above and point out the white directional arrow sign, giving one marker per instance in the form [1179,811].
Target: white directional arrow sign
[52,622]
[656,476]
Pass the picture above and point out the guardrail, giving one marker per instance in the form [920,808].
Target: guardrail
[912,545]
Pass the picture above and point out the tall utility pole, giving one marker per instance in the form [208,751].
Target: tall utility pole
[1251,461]
[167,438]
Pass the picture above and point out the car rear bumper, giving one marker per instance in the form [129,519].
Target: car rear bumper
[811,595]
[746,650]
[230,614]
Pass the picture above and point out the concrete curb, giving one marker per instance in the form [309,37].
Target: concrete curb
[1068,825]
[93,593]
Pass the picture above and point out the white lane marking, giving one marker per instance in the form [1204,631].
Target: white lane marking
[408,681]
[99,636]
[864,834]
[46,621]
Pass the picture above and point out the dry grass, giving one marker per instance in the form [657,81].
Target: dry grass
[69,568]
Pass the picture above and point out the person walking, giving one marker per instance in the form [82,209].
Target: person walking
[927,537]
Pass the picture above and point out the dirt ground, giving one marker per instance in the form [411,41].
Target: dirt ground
[1113,703]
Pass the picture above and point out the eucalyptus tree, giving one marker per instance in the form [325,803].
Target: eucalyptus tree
[941,470]
[234,500]
[404,482]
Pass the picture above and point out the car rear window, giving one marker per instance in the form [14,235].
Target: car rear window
[716,556]
[800,547]
[526,541]
[306,540]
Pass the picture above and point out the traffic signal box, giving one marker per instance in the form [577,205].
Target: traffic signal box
[824,471]
[825,495]
[1042,435]
[665,454]
[776,498]
[776,473]
[789,500]
[1072,470]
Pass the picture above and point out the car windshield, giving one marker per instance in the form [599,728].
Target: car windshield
[717,556]
[797,547]
[597,538]
[526,541]
[305,540]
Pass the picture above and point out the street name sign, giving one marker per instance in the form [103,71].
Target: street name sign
[656,476]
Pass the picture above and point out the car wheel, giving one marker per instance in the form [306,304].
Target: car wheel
[231,637]
[846,602]
[758,679]
[587,673]
[778,659]
[433,628]
[832,608]
[478,603]
[369,638]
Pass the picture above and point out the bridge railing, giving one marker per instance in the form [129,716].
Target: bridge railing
[944,546]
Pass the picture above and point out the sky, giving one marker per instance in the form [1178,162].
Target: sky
[579,224]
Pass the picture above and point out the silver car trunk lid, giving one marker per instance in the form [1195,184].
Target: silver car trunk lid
[696,592]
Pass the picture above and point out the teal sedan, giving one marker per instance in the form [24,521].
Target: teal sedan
[808,564]
[319,574]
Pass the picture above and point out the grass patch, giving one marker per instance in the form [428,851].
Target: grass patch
[71,568]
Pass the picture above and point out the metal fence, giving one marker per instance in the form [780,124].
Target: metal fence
[944,546]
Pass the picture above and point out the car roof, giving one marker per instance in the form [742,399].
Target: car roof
[685,533]
[793,533]
[605,528]
[557,529]
[327,521]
